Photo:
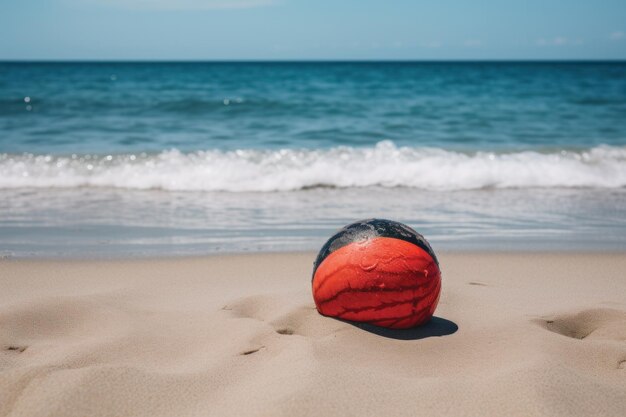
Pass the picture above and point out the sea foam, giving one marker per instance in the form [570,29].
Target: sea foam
[385,165]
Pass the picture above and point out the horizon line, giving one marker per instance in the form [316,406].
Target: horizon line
[278,61]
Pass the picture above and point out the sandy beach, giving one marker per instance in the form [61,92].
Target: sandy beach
[173,174]
[514,334]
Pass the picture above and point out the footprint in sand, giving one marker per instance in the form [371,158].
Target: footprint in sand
[599,324]
[285,315]
[602,333]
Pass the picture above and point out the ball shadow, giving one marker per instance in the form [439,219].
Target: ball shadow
[436,327]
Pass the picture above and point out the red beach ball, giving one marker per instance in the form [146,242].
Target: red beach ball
[379,272]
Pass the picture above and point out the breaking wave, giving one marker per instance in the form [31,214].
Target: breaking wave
[385,165]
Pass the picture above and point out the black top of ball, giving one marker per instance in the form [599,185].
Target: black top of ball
[372,228]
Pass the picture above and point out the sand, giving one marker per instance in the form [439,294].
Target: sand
[514,334]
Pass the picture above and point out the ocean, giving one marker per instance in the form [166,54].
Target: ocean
[159,159]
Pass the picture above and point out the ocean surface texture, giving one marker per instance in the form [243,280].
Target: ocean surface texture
[131,159]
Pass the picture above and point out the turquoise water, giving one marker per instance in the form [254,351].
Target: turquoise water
[103,108]
[152,158]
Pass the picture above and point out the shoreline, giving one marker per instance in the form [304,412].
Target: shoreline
[514,334]
[112,224]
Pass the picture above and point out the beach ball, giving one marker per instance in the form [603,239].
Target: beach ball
[379,272]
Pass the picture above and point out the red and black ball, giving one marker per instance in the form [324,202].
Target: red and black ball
[379,272]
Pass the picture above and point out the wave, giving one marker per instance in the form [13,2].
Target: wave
[385,165]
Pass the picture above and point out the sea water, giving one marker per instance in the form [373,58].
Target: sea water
[124,159]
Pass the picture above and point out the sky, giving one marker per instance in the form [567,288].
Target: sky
[311,29]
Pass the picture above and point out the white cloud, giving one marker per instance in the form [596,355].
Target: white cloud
[617,35]
[185,4]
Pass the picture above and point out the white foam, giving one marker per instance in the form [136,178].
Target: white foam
[384,165]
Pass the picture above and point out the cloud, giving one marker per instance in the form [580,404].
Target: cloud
[185,4]
[618,35]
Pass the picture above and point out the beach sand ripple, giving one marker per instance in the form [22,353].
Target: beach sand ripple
[514,334]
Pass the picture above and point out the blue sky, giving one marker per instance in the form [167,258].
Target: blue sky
[312,29]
